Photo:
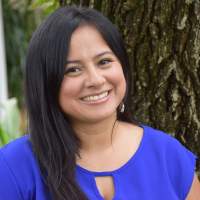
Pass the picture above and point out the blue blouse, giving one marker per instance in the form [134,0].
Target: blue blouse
[161,168]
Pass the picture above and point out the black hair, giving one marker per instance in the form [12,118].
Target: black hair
[54,142]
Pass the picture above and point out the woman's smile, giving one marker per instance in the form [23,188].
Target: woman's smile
[96,98]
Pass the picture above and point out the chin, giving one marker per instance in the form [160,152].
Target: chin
[97,117]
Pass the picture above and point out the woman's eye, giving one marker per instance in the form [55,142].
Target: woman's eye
[104,61]
[72,71]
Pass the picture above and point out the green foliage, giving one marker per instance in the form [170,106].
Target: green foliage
[9,121]
[48,6]
[19,24]
[21,18]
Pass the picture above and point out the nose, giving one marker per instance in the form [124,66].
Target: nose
[94,78]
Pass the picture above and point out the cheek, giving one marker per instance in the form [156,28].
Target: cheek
[68,92]
[118,80]
[122,86]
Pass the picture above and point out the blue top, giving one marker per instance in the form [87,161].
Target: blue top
[161,168]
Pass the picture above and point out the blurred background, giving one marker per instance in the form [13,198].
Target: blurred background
[162,39]
[19,18]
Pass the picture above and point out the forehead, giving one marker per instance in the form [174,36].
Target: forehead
[85,41]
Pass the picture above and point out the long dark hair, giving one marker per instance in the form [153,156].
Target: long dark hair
[54,142]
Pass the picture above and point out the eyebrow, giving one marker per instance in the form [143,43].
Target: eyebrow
[95,57]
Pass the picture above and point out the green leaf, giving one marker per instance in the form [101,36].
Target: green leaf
[46,5]
[4,137]
[10,120]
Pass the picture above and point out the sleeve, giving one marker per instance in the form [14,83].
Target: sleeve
[9,188]
[181,167]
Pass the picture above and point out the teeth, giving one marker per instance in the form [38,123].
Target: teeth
[96,97]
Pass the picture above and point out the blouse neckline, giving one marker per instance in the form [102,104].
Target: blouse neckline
[107,173]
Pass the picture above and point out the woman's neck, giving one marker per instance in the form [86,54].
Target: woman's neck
[97,136]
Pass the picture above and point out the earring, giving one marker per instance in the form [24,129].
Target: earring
[121,107]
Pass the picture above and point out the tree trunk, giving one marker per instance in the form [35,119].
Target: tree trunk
[163,41]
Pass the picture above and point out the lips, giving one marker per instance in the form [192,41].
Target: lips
[95,97]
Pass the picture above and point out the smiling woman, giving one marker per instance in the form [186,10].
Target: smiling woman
[82,142]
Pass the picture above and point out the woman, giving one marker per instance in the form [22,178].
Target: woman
[83,143]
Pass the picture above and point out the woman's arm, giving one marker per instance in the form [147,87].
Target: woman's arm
[194,193]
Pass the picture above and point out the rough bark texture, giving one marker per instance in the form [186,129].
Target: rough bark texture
[163,42]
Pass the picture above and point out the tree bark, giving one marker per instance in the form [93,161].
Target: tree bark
[163,42]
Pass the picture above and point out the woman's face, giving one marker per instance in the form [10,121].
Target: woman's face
[94,83]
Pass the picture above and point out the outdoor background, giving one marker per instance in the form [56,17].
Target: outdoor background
[162,38]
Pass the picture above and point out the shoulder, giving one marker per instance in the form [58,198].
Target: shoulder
[17,152]
[175,159]
[172,148]
[18,170]
[155,135]
[21,145]
[165,142]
